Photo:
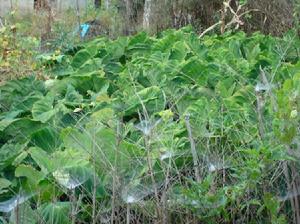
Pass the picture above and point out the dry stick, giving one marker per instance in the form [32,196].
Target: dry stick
[115,171]
[11,5]
[223,15]
[287,177]
[17,213]
[210,28]
[74,205]
[1,23]
[291,183]
[259,104]
[164,198]
[128,214]
[94,214]
[148,149]
[236,19]
[78,15]
[295,192]
[270,92]
[193,148]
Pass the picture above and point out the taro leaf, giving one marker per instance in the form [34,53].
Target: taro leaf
[72,177]
[179,51]
[7,118]
[42,159]
[90,65]
[225,87]
[116,49]
[113,67]
[103,115]
[14,92]
[69,158]
[199,112]
[106,151]
[61,71]
[56,213]
[46,138]
[80,58]
[24,215]
[22,128]
[19,159]
[72,97]
[4,183]
[272,204]
[243,96]
[93,140]
[74,139]
[11,204]
[193,71]
[83,83]
[101,182]
[43,109]
[59,159]
[8,153]
[33,175]
[166,42]
[137,39]
[25,104]
[151,97]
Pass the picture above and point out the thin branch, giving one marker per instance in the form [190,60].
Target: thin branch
[193,148]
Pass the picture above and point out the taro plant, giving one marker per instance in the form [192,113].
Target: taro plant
[166,129]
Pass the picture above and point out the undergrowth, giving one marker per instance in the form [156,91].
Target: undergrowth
[166,129]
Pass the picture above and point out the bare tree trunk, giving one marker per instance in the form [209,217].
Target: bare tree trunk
[129,27]
[46,6]
[147,14]
[97,4]
[107,4]
[78,14]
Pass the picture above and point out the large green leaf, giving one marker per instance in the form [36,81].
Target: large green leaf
[80,58]
[56,213]
[9,152]
[46,138]
[24,214]
[33,175]
[21,129]
[43,109]
[150,98]
[42,159]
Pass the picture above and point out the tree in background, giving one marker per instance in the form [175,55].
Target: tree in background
[97,4]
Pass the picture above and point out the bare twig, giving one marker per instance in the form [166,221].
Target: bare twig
[193,148]
[236,18]
[78,15]
[210,28]
[1,23]
[94,214]
[115,172]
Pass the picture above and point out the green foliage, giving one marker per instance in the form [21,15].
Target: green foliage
[111,119]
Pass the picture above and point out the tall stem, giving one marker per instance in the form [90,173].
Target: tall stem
[150,167]
[193,148]
[78,15]
[164,195]
[128,214]
[115,172]
[74,206]
[289,186]
[94,214]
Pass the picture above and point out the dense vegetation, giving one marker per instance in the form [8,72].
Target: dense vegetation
[166,129]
